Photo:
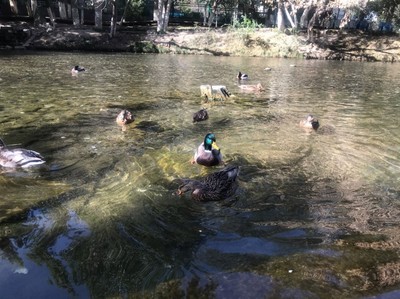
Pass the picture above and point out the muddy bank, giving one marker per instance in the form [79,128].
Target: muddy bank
[331,44]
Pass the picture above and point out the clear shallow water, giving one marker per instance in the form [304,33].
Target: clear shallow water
[315,215]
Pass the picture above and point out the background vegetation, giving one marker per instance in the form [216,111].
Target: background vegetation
[376,15]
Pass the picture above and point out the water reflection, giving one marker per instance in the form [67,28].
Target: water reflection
[314,213]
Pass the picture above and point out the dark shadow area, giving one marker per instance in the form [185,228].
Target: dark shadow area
[355,45]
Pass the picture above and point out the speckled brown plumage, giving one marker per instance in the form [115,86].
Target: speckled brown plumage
[216,186]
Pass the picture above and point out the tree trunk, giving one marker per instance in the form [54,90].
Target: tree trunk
[98,15]
[304,17]
[310,27]
[164,7]
[235,15]
[206,14]
[292,23]
[75,16]
[160,18]
[14,7]
[62,10]
[51,16]
[50,12]
[69,11]
[155,10]
[213,14]
[124,13]
[113,27]
[28,5]
[82,16]
[279,18]
[35,12]
[211,17]
[344,21]
[166,15]
[294,13]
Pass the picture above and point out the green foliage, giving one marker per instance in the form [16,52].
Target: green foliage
[246,23]
[182,2]
[397,16]
[143,47]
[135,9]
[387,10]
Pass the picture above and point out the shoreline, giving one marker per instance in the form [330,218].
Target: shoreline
[352,45]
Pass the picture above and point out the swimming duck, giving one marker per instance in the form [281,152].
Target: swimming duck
[208,153]
[310,122]
[200,115]
[18,157]
[77,69]
[252,88]
[241,76]
[216,186]
[125,117]
[214,92]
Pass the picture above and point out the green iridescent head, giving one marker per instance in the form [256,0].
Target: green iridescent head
[210,142]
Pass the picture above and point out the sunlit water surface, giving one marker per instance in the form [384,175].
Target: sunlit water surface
[316,214]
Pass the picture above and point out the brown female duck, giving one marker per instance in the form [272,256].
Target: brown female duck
[124,117]
[252,88]
[219,185]
[200,115]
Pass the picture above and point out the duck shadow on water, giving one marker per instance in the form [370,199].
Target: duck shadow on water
[142,106]
[255,178]
[209,125]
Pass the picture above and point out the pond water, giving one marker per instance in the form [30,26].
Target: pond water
[315,216]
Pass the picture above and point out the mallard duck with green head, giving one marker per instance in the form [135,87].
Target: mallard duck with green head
[219,185]
[208,153]
[18,157]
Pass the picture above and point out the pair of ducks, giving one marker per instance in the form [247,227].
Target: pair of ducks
[222,184]
[217,186]
[251,88]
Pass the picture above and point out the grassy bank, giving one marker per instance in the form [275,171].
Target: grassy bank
[335,45]
[327,44]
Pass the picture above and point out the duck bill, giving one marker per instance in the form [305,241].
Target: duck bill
[215,146]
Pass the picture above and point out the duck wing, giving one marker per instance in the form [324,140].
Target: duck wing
[222,184]
[217,186]
[20,157]
[207,158]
